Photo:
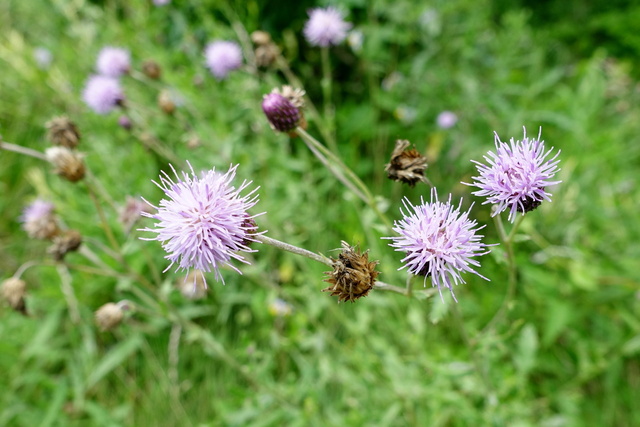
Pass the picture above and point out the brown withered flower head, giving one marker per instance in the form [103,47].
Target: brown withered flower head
[353,275]
[63,132]
[406,166]
[13,291]
[110,315]
[266,51]
[151,69]
[67,241]
[68,164]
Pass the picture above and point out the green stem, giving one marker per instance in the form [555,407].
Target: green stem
[294,249]
[327,91]
[22,150]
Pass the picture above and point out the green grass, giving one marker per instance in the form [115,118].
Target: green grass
[565,355]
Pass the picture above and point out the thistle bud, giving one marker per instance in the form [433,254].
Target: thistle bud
[282,114]
[406,166]
[63,132]
[13,291]
[68,164]
[109,316]
[66,242]
[353,276]
[151,69]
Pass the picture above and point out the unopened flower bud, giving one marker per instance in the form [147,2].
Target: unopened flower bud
[68,164]
[109,316]
[193,286]
[353,276]
[67,241]
[282,114]
[406,166]
[62,131]
[13,291]
[151,69]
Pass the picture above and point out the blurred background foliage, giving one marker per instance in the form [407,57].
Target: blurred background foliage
[567,353]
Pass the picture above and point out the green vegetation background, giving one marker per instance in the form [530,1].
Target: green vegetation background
[568,352]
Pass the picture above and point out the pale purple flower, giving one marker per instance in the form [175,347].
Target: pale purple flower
[102,94]
[439,240]
[161,2]
[222,57]
[43,57]
[113,61]
[282,114]
[203,222]
[446,119]
[36,211]
[516,175]
[38,220]
[325,27]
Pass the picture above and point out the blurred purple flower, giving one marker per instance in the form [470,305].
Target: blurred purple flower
[36,211]
[161,2]
[113,61]
[204,222]
[325,27]
[439,240]
[446,119]
[223,57]
[516,175]
[282,114]
[38,220]
[102,94]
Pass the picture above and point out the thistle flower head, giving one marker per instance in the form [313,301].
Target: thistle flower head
[446,119]
[39,221]
[440,242]
[406,166]
[222,57]
[325,27]
[281,112]
[113,61]
[102,94]
[202,222]
[353,275]
[63,243]
[62,131]
[68,163]
[516,175]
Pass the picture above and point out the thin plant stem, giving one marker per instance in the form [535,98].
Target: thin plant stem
[22,150]
[327,89]
[293,249]
[68,292]
[103,221]
[174,359]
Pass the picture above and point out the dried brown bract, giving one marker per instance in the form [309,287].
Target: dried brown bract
[13,291]
[406,166]
[68,164]
[353,275]
[63,132]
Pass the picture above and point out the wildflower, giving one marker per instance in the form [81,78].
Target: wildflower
[161,2]
[446,119]
[203,221]
[113,61]
[65,242]
[39,221]
[516,175]
[406,166]
[282,114]
[62,131]
[102,94]
[266,52]
[353,276]
[68,163]
[439,240]
[13,290]
[222,57]
[325,27]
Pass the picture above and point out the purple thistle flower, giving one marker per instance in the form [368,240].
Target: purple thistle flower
[446,119]
[204,222]
[102,94]
[516,175]
[161,2]
[325,27]
[281,113]
[38,220]
[113,61]
[39,209]
[439,240]
[222,57]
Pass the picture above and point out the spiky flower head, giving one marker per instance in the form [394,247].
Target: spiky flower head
[325,27]
[516,175]
[102,94]
[222,57]
[202,222]
[68,163]
[440,242]
[39,221]
[406,165]
[62,131]
[113,61]
[353,275]
[282,114]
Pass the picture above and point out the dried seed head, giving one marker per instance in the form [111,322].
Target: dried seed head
[13,291]
[109,316]
[151,69]
[193,286]
[266,55]
[39,220]
[68,164]
[67,241]
[260,37]
[282,114]
[166,103]
[62,131]
[353,276]
[406,166]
